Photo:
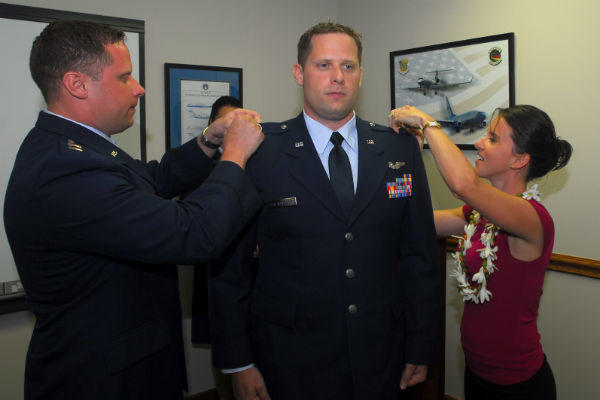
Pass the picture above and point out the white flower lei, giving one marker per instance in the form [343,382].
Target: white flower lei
[479,292]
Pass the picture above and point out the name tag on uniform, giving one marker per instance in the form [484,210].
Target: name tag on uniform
[285,202]
[402,187]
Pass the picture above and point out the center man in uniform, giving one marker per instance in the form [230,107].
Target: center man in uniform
[345,304]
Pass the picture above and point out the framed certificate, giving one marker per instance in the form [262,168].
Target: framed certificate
[190,91]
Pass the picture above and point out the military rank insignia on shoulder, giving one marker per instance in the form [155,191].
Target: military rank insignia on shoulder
[274,128]
[378,127]
[71,145]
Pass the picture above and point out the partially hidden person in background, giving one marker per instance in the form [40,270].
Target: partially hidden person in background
[200,322]
[505,248]
[95,234]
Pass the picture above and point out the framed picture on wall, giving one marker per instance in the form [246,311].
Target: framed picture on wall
[459,83]
[190,91]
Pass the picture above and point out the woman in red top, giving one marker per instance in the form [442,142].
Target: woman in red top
[507,239]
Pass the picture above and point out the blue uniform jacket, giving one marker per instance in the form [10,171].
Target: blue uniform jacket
[332,314]
[95,236]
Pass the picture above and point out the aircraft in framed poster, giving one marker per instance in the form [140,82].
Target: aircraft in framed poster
[458,83]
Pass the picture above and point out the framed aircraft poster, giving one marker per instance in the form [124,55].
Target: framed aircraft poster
[459,83]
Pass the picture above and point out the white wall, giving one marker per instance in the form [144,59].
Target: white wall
[556,69]
[557,65]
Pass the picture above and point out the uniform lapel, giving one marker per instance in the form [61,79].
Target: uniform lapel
[371,167]
[307,170]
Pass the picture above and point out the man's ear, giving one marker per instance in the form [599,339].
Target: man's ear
[360,79]
[298,74]
[75,83]
[521,160]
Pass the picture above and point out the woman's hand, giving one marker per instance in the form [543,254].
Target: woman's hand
[410,118]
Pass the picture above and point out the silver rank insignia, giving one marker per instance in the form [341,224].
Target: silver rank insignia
[370,141]
[114,153]
[71,145]
[396,165]
[298,144]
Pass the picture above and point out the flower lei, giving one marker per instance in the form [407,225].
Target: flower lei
[479,293]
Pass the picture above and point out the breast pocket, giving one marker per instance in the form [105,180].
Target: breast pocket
[388,203]
[399,185]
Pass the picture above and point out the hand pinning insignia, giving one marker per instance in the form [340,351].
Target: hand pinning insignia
[396,165]
[71,145]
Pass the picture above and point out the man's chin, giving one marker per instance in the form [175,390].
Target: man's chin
[120,129]
[336,114]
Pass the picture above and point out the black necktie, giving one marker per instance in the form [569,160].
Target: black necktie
[340,173]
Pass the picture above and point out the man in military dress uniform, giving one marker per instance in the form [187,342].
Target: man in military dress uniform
[95,234]
[331,315]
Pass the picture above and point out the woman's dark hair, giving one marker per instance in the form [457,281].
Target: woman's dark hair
[534,134]
[221,102]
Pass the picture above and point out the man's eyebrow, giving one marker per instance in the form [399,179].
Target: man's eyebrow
[345,61]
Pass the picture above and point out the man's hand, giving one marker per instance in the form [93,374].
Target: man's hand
[412,375]
[242,138]
[249,385]
[215,132]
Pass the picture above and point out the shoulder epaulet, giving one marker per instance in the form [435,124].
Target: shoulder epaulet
[274,128]
[378,127]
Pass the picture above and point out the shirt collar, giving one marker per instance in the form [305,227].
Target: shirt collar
[96,131]
[320,134]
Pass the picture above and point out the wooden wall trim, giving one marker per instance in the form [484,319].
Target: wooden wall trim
[558,262]
[575,265]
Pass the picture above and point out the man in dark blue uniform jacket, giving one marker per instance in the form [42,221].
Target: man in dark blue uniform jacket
[95,234]
[332,314]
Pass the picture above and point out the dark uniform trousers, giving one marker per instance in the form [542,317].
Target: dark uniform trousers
[331,316]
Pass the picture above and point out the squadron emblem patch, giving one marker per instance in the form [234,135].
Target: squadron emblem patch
[403,66]
[495,54]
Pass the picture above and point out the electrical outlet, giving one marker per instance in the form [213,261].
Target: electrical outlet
[13,287]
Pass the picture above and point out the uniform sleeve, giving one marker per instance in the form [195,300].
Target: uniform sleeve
[180,170]
[420,270]
[230,286]
[103,209]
